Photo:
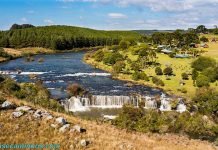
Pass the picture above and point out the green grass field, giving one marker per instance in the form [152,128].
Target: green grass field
[179,66]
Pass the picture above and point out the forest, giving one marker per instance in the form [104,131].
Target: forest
[62,37]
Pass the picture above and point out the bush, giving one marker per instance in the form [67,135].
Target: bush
[75,90]
[203,62]
[194,74]
[10,86]
[118,66]
[206,100]
[202,80]
[204,39]
[4,54]
[99,55]
[210,73]
[140,76]
[1,78]
[184,76]
[157,81]
[158,71]
[124,44]
[168,71]
[112,58]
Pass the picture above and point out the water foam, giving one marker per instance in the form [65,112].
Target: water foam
[80,74]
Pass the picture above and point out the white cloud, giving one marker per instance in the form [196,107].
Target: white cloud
[117,16]
[48,21]
[24,19]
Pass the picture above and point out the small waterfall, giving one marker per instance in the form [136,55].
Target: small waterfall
[105,101]
[181,107]
[165,104]
[75,104]
[150,103]
[98,101]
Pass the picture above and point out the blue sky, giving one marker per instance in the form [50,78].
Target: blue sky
[110,14]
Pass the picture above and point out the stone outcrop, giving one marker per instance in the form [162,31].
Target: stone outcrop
[7,105]
[23,108]
[17,114]
[61,120]
[64,128]
[77,128]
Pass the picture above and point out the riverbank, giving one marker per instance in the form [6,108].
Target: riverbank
[128,78]
[18,53]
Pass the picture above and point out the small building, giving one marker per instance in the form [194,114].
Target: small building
[204,45]
[182,56]
[166,51]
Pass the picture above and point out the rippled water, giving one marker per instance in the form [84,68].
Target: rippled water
[60,70]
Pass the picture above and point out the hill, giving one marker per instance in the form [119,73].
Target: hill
[62,37]
[150,32]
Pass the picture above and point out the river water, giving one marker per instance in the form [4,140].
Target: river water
[59,70]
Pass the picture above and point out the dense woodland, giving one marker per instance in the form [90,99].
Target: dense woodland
[61,37]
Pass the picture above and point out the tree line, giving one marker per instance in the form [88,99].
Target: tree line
[62,37]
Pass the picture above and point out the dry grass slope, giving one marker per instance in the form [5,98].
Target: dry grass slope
[102,136]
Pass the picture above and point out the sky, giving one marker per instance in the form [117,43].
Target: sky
[111,14]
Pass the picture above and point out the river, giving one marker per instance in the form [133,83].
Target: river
[59,70]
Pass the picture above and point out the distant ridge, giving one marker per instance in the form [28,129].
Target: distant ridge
[149,32]
[62,37]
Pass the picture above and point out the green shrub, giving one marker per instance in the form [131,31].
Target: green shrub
[118,66]
[158,71]
[184,76]
[10,86]
[140,76]
[207,100]
[168,71]
[157,81]
[99,55]
[112,58]
[210,73]
[202,80]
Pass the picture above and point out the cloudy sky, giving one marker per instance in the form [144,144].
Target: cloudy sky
[110,14]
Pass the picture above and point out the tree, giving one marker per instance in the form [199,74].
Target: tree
[184,76]
[168,71]
[202,81]
[124,44]
[201,29]
[204,39]
[158,71]
[203,62]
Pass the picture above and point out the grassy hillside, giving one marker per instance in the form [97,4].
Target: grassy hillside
[28,130]
[62,37]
